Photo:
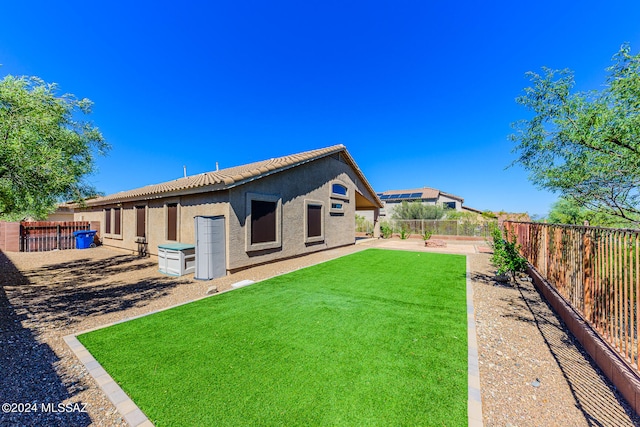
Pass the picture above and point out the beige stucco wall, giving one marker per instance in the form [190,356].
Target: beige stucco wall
[311,181]
[189,206]
[61,216]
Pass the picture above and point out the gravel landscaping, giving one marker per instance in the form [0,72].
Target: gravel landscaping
[531,371]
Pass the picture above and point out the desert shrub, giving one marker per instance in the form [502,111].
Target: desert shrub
[386,230]
[506,254]
[404,232]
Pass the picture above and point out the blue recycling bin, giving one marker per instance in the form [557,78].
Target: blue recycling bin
[84,238]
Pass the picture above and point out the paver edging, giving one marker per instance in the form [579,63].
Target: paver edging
[474,403]
[123,403]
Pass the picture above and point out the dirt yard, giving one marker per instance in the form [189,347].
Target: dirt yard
[532,373]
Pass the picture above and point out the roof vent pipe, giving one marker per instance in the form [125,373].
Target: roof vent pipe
[216,166]
[185,170]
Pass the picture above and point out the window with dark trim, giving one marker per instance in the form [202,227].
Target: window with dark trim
[141,221]
[450,205]
[314,221]
[263,221]
[107,221]
[263,225]
[117,221]
[172,221]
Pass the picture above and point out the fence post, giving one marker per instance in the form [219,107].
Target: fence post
[587,263]
[10,236]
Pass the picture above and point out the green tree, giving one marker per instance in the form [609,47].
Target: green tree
[46,150]
[585,145]
[568,211]
[418,210]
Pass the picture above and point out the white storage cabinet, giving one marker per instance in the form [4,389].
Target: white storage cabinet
[176,259]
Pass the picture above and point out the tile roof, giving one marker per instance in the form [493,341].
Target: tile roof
[229,177]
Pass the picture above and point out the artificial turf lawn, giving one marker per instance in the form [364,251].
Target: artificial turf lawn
[378,337]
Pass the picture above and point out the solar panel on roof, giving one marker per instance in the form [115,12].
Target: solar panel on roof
[394,196]
[416,195]
[405,195]
[384,197]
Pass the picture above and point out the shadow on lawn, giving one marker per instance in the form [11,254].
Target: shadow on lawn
[595,396]
[63,294]
[27,372]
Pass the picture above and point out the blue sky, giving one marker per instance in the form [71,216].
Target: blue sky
[422,93]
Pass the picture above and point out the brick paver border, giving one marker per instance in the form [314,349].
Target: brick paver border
[474,405]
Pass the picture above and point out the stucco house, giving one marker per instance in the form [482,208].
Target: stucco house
[272,209]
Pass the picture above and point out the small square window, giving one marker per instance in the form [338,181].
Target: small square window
[337,207]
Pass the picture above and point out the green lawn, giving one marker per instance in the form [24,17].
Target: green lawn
[374,338]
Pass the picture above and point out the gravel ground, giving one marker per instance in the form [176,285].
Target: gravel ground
[45,296]
[532,370]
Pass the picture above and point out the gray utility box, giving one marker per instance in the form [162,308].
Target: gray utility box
[211,260]
[176,259]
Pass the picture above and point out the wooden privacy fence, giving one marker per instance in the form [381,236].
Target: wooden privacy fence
[39,236]
[596,270]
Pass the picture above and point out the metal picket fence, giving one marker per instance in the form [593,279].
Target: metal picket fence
[443,227]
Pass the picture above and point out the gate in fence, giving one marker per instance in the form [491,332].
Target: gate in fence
[39,236]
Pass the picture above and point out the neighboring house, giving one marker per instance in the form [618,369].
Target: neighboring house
[429,196]
[273,209]
[64,212]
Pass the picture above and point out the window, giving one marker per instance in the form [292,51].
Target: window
[117,221]
[450,205]
[172,221]
[263,221]
[107,221]
[314,220]
[113,222]
[337,207]
[141,221]
[339,190]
